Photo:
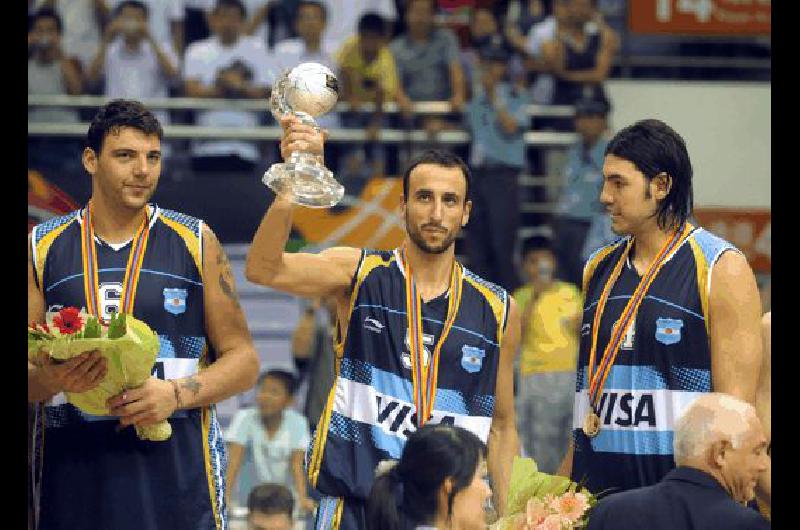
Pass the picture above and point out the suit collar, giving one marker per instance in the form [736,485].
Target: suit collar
[695,476]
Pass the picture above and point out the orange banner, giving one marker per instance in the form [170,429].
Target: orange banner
[749,230]
[701,17]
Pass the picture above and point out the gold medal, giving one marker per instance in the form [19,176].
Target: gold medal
[591,424]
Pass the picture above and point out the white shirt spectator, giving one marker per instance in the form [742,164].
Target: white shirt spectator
[81,36]
[137,75]
[343,16]
[160,14]
[541,92]
[204,59]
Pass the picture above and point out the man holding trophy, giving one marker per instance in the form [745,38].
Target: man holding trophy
[420,338]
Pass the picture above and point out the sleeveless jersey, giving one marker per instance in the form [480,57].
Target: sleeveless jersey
[89,474]
[663,365]
[568,92]
[370,409]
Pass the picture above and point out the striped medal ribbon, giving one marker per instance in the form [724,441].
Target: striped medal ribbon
[90,271]
[424,375]
[591,423]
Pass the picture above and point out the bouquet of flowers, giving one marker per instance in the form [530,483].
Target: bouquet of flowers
[128,344]
[538,501]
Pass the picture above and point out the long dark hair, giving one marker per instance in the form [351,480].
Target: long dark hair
[406,495]
[654,147]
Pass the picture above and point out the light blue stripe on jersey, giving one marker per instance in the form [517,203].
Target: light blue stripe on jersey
[649,297]
[397,312]
[386,442]
[649,378]
[390,384]
[629,377]
[117,269]
[633,442]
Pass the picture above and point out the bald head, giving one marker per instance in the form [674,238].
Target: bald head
[712,418]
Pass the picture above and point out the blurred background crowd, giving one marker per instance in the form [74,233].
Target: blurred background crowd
[527,91]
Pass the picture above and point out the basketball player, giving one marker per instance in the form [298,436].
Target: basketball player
[671,311]
[95,472]
[420,337]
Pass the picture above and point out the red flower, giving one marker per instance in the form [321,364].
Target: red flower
[68,321]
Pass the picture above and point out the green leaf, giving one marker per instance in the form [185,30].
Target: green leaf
[116,327]
[92,328]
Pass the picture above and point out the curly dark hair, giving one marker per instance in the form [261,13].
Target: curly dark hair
[117,114]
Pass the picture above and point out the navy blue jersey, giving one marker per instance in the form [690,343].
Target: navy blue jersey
[93,476]
[663,365]
[370,410]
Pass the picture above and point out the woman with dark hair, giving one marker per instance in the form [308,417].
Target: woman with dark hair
[438,483]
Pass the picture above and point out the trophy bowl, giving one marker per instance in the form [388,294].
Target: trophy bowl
[307,91]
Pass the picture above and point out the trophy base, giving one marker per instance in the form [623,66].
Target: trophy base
[304,181]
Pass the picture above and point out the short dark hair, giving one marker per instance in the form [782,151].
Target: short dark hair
[117,114]
[45,12]
[371,22]
[432,454]
[535,243]
[438,157]
[236,4]
[287,378]
[654,147]
[270,499]
[136,4]
[312,3]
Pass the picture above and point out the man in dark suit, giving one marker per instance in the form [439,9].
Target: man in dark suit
[720,451]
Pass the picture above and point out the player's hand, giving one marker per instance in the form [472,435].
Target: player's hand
[148,404]
[79,374]
[306,504]
[298,136]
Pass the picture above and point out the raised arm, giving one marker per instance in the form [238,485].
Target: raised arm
[328,273]
[503,443]
[735,328]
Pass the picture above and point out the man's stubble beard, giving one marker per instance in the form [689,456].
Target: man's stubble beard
[419,241]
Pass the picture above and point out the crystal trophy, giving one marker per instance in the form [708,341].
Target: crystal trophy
[307,91]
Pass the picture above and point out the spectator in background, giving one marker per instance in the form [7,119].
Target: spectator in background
[578,206]
[267,443]
[345,14]
[83,22]
[50,73]
[314,357]
[309,47]
[520,17]
[131,62]
[227,65]
[551,318]
[484,30]
[270,507]
[368,75]
[165,20]
[428,63]
[271,21]
[540,78]
[496,119]
[720,450]
[580,57]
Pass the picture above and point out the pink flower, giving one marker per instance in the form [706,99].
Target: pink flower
[570,505]
[552,522]
[535,512]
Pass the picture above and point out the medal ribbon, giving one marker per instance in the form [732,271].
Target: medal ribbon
[424,377]
[133,268]
[620,329]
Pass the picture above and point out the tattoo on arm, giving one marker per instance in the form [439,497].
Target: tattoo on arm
[226,281]
[191,384]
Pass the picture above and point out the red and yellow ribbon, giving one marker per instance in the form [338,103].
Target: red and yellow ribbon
[91,285]
[598,378]
[425,375]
